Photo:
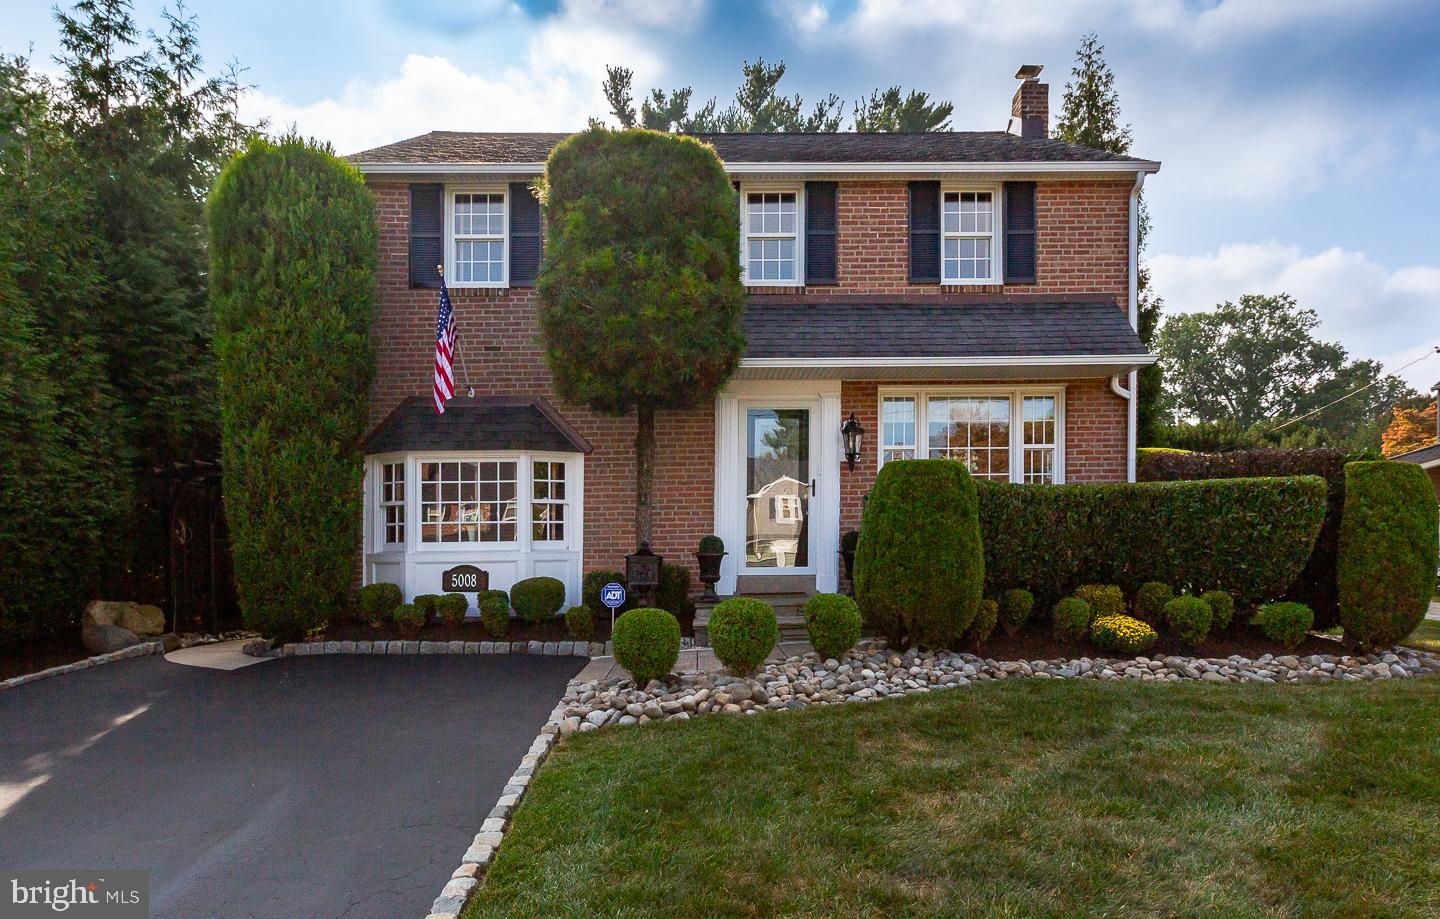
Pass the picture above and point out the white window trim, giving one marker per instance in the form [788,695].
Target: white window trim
[997,254]
[450,274]
[382,527]
[747,189]
[1017,394]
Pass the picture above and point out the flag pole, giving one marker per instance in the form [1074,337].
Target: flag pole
[469,389]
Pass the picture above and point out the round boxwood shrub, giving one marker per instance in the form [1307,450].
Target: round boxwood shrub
[1150,601]
[378,601]
[408,618]
[1188,619]
[1286,623]
[1072,618]
[1016,604]
[919,565]
[711,545]
[425,603]
[1104,599]
[494,612]
[590,591]
[580,622]
[452,608]
[537,599]
[647,643]
[1123,635]
[743,632]
[1386,569]
[1222,609]
[833,621]
[983,625]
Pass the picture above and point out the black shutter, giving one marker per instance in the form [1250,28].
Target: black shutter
[525,240]
[427,234]
[820,224]
[924,232]
[1019,233]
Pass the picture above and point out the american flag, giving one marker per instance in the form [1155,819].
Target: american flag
[444,351]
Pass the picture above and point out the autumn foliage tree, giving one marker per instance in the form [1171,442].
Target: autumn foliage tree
[1411,429]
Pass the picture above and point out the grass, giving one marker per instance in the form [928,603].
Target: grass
[1426,636]
[1036,798]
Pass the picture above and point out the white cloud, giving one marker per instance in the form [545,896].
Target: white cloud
[805,17]
[1373,311]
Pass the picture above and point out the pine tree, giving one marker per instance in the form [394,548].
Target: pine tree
[889,111]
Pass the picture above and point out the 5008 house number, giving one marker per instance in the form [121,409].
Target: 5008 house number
[465,579]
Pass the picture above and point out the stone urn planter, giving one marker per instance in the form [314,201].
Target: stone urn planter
[847,555]
[709,556]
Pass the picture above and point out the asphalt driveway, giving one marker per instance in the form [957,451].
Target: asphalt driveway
[301,787]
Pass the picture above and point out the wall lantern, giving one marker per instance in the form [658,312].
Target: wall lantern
[854,435]
[642,574]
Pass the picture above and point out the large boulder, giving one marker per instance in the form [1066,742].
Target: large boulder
[104,612]
[142,619]
[103,639]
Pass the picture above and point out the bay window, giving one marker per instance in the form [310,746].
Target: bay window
[1000,434]
[392,504]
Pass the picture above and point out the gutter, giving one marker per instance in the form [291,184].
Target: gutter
[1138,167]
[1049,360]
[1129,392]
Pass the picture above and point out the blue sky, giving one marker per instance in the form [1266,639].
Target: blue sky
[1300,138]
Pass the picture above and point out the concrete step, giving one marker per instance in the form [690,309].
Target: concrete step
[755,585]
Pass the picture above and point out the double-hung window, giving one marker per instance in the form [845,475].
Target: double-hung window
[392,504]
[477,239]
[1004,435]
[547,507]
[967,236]
[772,240]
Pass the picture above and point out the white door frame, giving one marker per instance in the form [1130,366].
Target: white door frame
[822,398]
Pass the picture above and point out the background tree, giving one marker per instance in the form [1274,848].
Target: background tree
[889,111]
[640,293]
[1409,429]
[292,279]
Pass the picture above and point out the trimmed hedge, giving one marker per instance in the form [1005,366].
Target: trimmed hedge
[1249,537]
[1072,618]
[919,566]
[494,608]
[647,643]
[1222,609]
[537,599]
[580,622]
[673,594]
[452,608]
[743,632]
[408,618]
[425,603]
[1150,601]
[1316,583]
[833,623]
[1286,623]
[987,614]
[378,601]
[590,591]
[1104,599]
[1188,619]
[1016,604]
[1122,635]
[1387,551]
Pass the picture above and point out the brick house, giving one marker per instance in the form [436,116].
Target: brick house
[968,295]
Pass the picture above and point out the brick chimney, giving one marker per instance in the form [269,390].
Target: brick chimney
[1030,109]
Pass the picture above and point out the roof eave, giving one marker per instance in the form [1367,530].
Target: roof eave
[1148,167]
[988,367]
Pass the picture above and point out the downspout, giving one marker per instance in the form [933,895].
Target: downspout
[1128,393]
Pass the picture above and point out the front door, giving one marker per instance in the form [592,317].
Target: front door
[779,485]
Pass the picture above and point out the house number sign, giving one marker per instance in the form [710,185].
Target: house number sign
[465,579]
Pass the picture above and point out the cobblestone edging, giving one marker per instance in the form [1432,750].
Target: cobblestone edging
[140,650]
[545,648]
[477,859]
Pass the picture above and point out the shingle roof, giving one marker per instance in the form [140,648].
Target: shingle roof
[918,329]
[464,147]
[1423,455]
[483,423]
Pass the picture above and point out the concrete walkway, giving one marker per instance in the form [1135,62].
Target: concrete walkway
[1434,612]
[693,660]
[216,655]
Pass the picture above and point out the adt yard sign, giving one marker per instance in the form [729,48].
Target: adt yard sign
[613,595]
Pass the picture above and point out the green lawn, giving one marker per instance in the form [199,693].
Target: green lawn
[1426,635]
[1034,798]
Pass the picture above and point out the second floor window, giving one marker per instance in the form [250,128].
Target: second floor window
[477,230]
[967,238]
[772,238]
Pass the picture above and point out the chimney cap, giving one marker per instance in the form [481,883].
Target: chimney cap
[1029,71]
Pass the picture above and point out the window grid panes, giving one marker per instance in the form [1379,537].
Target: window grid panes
[771,237]
[478,229]
[897,428]
[968,231]
[467,502]
[547,508]
[1039,439]
[392,502]
[974,430]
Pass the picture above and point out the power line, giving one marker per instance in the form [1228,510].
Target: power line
[1431,353]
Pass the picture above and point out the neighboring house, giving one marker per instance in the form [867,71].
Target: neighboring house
[968,295]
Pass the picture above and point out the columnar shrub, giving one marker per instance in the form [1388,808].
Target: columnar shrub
[494,612]
[590,591]
[1286,623]
[833,622]
[452,608]
[1072,617]
[1250,537]
[919,566]
[1222,609]
[743,632]
[580,622]
[673,594]
[1188,619]
[1387,552]
[1016,604]
[647,643]
[408,618]
[1104,599]
[378,601]
[1121,635]
[983,625]
[1150,601]
[292,281]
[537,599]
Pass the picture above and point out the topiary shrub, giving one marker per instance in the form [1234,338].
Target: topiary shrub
[425,603]
[1387,552]
[1104,599]
[378,601]
[919,565]
[833,622]
[494,608]
[1122,635]
[1150,601]
[1072,617]
[987,614]
[673,594]
[537,599]
[1188,619]
[408,618]
[452,608]
[743,632]
[580,622]
[711,545]
[1287,623]
[647,643]
[1222,609]
[590,591]
[1016,604]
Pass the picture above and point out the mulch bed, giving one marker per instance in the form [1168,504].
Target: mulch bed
[1036,645]
[37,657]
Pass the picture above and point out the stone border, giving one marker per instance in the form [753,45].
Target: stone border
[141,650]
[545,648]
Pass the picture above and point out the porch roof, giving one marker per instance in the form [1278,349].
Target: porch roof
[481,423]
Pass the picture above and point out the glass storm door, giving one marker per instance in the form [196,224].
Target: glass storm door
[778,487]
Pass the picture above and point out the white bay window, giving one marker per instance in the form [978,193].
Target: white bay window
[1000,434]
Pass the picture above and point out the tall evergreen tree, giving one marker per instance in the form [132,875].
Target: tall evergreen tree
[889,111]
